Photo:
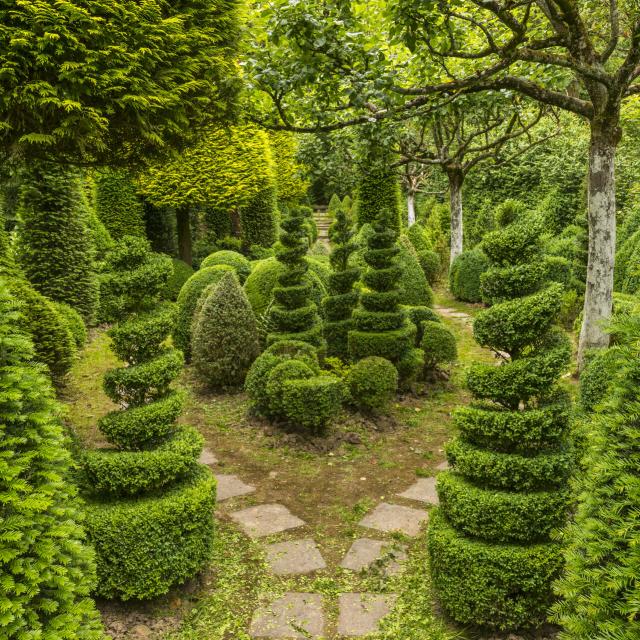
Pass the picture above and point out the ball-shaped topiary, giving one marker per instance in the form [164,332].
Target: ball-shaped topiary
[372,383]
[48,572]
[225,336]
[118,205]
[181,273]
[232,258]
[464,275]
[439,345]
[492,558]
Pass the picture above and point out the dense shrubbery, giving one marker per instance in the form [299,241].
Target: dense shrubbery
[118,206]
[598,371]
[231,258]
[47,571]
[492,558]
[259,219]
[438,344]
[74,322]
[372,383]
[428,258]
[464,275]
[225,336]
[181,273]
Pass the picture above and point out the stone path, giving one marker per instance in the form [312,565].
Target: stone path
[295,557]
[453,313]
[360,613]
[323,222]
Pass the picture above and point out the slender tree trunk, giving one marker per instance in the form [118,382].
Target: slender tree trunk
[411,208]
[598,300]
[183,227]
[236,223]
[456,178]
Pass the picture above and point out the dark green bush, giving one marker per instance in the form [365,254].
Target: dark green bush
[596,377]
[431,265]
[517,243]
[558,269]
[413,284]
[499,284]
[378,195]
[259,219]
[225,336]
[181,273]
[74,321]
[418,315]
[372,383]
[312,402]
[465,273]
[118,205]
[438,344]
[232,258]
[284,371]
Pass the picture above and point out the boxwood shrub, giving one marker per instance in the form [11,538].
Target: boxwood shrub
[465,274]
[241,265]
[372,383]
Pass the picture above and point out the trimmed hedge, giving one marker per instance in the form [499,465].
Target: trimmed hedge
[372,383]
[118,205]
[413,281]
[231,258]
[465,274]
[259,219]
[418,315]
[378,195]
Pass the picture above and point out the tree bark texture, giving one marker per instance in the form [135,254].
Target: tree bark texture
[456,178]
[411,208]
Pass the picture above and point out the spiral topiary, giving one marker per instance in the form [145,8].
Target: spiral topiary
[492,558]
[342,299]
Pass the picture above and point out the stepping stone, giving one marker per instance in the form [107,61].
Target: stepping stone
[294,558]
[365,551]
[231,487]
[207,457]
[392,517]
[294,615]
[460,314]
[443,466]
[266,519]
[424,490]
[360,613]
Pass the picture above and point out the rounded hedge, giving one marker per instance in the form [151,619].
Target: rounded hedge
[281,373]
[372,383]
[312,402]
[181,273]
[465,273]
[438,344]
[241,265]
[431,265]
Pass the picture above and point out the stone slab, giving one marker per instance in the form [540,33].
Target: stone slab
[365,551]
[360,613]
[460,314]
[265,520]
[230,486]
[423,490]
[295,557]
[207,457]
[294,615]
[443,466]
[392,517]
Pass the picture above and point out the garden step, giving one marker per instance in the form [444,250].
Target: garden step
[360,613]
[296,557]
[230,486]
[423,490]
[294,615]
[265,520]
[392,517]
[364,552]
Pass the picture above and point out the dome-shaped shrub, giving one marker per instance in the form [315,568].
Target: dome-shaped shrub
[232,258]
[418,315]
[181,273]
[464,276]
[372,383]
[438,344]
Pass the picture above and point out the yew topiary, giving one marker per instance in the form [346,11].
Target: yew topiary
[118,205]
[234,259]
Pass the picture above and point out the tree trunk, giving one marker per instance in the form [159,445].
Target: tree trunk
[411,208]
[456,178]
[183,227]
[598,300]
[236,224]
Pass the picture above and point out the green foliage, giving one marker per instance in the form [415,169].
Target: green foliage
[413,282]
[511,463]
[418,315]
[378,196]
[188,301]
[74,322]
[47,570]
[596,377]
[259,219]
[431,265]
[465,274]
[225,336]
[599,588]
[291,185]
[118,205]
[55,247]
[372,383]
[334,204]
[312,402]
[438,344]
[232,258]
[181,273]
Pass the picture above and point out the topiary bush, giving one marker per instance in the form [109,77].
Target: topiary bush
[334,205]
[118,205]
[378,195]
[492,557]
[181,273]
[414,287]
[48,571]
[188,301]
[55,245]
[439,345]
[74,322]
[225,336]
[418,315]
[148,492]
[431,265]
[259,219]
[231,258]
[465,273]
[372,383]
[342,298]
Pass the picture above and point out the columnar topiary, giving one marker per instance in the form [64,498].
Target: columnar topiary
[47,571]
[380,326]
[379,195]
[599,590]
[55,245]
[342,299]
[149,511]
[492,558]
[225,336]
[118,205]
[293,315]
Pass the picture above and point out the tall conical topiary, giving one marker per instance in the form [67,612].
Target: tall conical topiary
[150,503]
[342,299]
[55,244]
[599,590]
[47,570]
[492,557]
[293,316]
[334,205]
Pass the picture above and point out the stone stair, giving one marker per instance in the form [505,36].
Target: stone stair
[323,222]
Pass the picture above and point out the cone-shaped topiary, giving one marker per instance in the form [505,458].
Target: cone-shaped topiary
[492,558]
[118,205]
[380,325]
[599,590]
[334,205]
[342,299]
[225,334]
[47,571]
[55,245]
[293,316]
[149,511]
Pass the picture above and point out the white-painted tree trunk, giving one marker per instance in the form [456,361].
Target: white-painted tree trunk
[598,300]
[411,208]
[456,178]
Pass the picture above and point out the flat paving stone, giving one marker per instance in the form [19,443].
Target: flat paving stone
[443,466]
[295,557]
[265,520]
[423,490]
[294,615]
[365,551]
[360,613]
[207,457]
[392,517]
[230,486]
[460,314]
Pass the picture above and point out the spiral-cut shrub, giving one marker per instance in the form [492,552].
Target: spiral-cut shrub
[492,556]
[380,326]
[293,315]
[342,298]
[47,570]
[149,502]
